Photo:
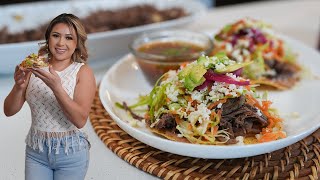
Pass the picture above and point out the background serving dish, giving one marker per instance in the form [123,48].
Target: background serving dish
[103,45]
[160,51]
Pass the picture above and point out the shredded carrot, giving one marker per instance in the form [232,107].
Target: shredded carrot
[178,120]
[247,87]
[146,116]
[214,130]
[182,65]
[188,98]
[271,136]
[189,126]
[253,101]
[214,104]
[168,100]
[268,49]
[235,26]
[266,105]
[219,112]
[264,109]
[173,112]
[194,103]
[271,122]
[280,49]
[277,57]
[212,115]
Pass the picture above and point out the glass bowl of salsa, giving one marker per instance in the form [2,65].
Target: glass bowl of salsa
[161,51]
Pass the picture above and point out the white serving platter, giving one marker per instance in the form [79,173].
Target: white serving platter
[124,81]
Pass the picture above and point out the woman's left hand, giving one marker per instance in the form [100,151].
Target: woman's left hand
[51,78]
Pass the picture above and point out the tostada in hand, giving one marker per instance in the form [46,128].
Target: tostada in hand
[34,61]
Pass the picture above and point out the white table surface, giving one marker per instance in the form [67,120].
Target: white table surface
[297,19]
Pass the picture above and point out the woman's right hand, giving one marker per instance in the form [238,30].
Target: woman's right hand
[20,77]
[16,98]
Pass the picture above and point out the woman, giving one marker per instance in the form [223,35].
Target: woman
[60,98]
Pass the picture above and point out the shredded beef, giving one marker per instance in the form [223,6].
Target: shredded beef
[103,20]
[232,104]
[283,69]
[229,141]
[167,121]
[241,119]
[286,73]
[135,116]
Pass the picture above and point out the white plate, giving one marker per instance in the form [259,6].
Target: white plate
[124,81]
[103,45]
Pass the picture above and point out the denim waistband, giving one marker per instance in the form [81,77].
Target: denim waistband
[57,141]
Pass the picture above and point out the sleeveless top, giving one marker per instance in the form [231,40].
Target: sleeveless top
[49,123]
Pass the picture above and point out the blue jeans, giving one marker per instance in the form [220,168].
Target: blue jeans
[62,166]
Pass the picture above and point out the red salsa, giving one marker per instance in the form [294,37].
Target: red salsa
[175,53]
[170,49]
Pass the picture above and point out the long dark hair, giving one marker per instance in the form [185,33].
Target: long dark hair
[81,53]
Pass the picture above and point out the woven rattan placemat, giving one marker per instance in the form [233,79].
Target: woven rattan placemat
[297,161]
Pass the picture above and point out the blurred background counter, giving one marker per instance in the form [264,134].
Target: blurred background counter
[297,19]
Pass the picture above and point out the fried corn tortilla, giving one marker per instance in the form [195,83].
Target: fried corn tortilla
[169,135]
[206,102]
[274,63]
[34,61]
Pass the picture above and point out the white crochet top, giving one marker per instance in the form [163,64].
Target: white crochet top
[48,119]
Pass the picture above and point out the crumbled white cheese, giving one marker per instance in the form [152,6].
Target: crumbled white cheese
[245,52]
[270,72]
[240,90]
[259,112]
[220,89]
[171,77]
[206,64]
[189,107]
[229,47]
[268,55]
[172,93]
[201,114]
[240,140]
[235,53]
[233,94]
[220,66]
[243,43]
[197,95]
[179,135]
[232,86]
[213,58]
[239,58]
[219,105]
[258,136]
[233,76]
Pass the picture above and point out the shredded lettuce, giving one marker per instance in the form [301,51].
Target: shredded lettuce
[257,68]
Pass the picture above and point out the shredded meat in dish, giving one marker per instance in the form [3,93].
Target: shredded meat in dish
[103,20]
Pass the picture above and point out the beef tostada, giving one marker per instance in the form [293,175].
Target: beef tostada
[207,102]
[34,61]
[274,63]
